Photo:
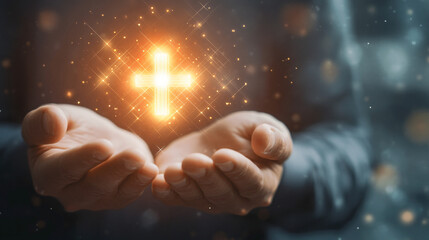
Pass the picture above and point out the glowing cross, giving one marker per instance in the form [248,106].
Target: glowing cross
[162,81]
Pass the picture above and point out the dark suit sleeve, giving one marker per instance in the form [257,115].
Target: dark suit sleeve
[325,178]
[16,193]
[328,173]
[13,154]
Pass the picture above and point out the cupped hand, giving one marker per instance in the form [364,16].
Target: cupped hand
[84,160]
[232,166]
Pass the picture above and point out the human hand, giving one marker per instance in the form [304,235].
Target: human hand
[84,160]
[232,166]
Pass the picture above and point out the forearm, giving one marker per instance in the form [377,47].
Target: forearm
[325,178]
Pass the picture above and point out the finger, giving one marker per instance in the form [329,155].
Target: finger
[176,151]
[215,187]
[271,143]
[184,186]
[161,190]
[242,172]
[69,166]
[117,168]
[103,181]
[133,186]
[44,125]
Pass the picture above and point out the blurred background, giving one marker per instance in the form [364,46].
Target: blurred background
[390,50]
[387,44]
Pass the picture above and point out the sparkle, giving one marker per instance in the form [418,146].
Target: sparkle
[161,81]
[116,64]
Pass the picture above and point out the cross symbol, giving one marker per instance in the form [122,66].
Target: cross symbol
[161,80]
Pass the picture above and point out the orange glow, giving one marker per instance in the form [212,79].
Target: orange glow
[69,94]
[161,81]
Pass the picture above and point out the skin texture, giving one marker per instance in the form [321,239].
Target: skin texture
[232,166]
[84,160]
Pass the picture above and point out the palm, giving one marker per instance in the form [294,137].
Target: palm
[224,168]
[85,160]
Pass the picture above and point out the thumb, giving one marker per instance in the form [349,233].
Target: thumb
[44,125]
[271,143]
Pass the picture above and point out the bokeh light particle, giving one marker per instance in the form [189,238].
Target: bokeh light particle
[407,217]
[417,127]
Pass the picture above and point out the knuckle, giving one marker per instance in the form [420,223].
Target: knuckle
[119,172]
[67,174]
[185,187]
[239,173]
[220,199]
[250,193]
[255,190]
[98,191]
[207,184]
[266,202]
[208,181]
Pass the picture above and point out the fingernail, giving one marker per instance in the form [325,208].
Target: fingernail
[131,165]
[271,142]
[100,155]
[199,173]
[225,166]
[48,125]
[150,167]
[161,192]
[179,183]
